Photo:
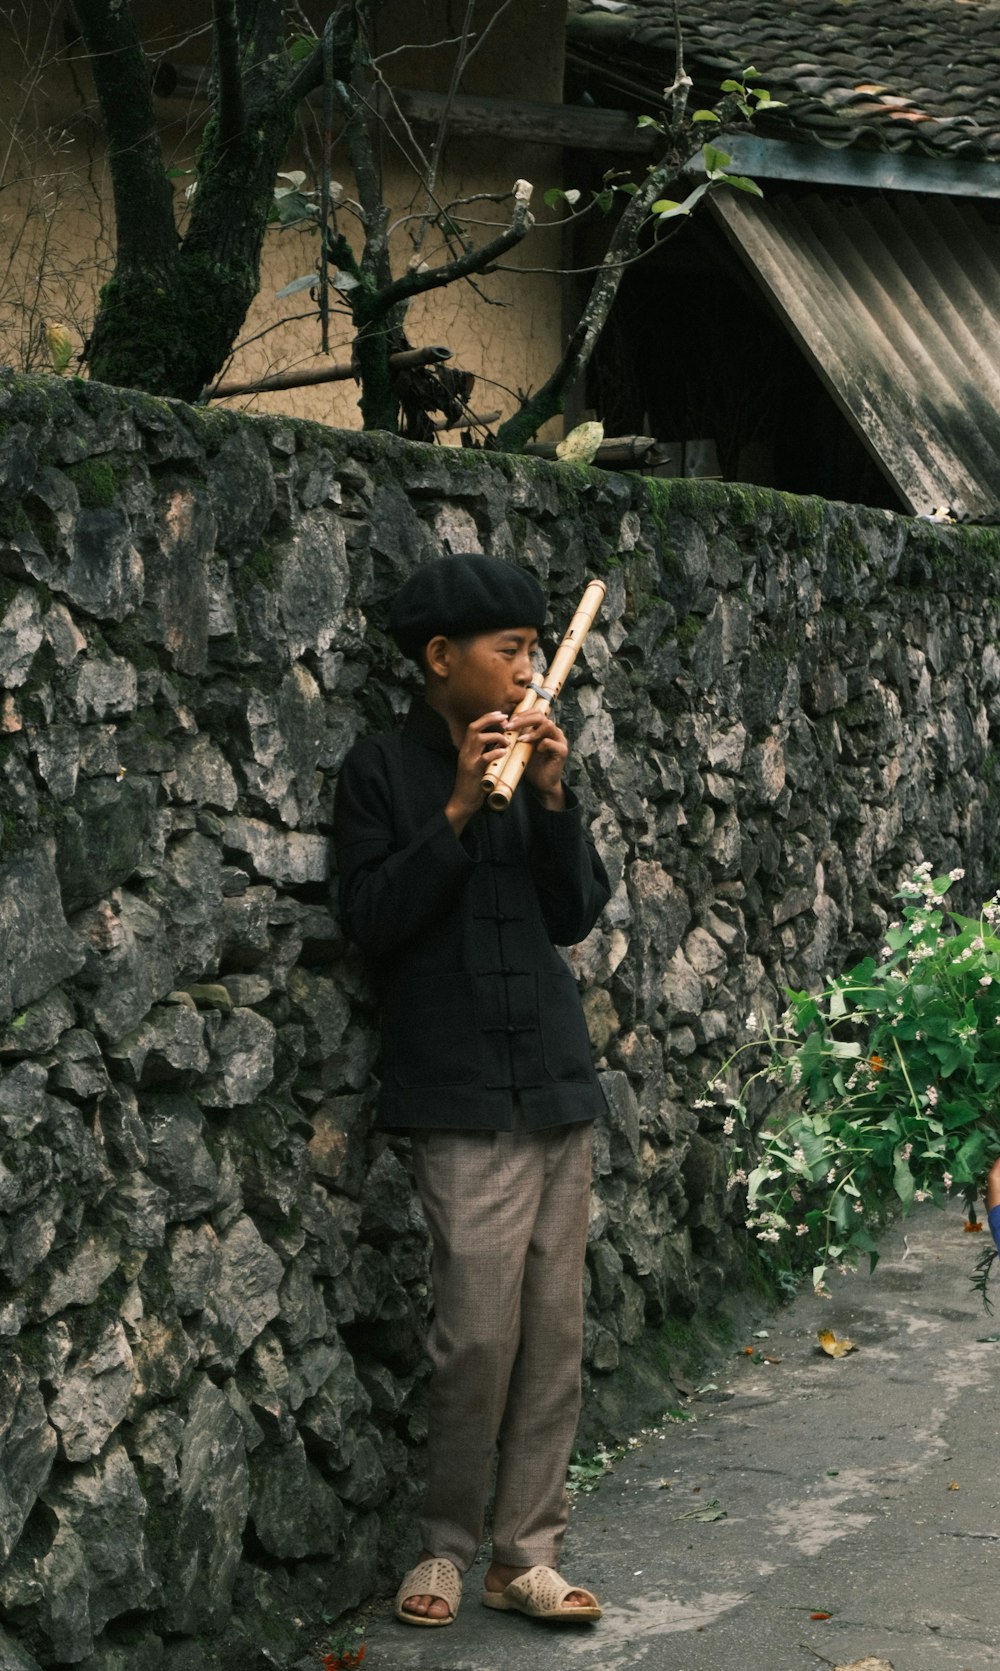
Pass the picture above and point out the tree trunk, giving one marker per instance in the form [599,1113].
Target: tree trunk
[169,317]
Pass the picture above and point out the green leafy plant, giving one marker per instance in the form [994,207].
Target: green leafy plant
[890,1087]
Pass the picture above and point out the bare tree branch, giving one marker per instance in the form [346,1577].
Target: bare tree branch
[481,260]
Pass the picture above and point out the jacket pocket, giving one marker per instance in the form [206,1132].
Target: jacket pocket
[430,1036]
[565,1040]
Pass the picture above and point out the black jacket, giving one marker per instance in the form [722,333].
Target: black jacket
[460,936]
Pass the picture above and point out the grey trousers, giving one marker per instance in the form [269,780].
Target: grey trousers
[508,1215]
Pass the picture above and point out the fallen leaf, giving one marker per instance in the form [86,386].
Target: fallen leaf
[868,1664]
[953,1485]
[771,1360]
[711,1511]
[833,1347]
[581,444]
[987,1339]
[820,1615]
[971,1225]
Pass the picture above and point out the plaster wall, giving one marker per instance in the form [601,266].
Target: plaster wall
[59,221]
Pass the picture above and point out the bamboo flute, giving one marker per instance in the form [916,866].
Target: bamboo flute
[504,775]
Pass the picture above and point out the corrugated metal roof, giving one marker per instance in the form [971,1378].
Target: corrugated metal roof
[896,301]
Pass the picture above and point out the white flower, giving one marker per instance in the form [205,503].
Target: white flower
[946,1179]
[921,1195]
[802,1229]
[858,1207]
[986,980]
[907,1152]
[932,1095]
[751,1023]
[768,1236]
[831,1175]
[956,875]
[729,1125]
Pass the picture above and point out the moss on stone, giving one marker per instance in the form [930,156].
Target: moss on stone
[98,482]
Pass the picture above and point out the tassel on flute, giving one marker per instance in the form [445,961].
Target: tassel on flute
[504,775]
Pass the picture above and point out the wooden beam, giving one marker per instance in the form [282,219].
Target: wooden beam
[339,372]
[616,452]
[575,127]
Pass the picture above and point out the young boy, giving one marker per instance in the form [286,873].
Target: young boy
[486,1062]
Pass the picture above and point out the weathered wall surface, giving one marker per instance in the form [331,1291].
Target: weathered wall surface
[214,1280]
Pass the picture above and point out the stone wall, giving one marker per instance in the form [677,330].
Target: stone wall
[214,1278]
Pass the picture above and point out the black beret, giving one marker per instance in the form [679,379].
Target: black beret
[460,595]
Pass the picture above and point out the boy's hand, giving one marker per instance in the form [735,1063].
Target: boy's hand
[485,740]
[545,768]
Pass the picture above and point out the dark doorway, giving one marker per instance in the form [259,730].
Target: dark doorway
[694,352]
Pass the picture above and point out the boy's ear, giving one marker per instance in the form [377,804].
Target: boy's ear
[438,656]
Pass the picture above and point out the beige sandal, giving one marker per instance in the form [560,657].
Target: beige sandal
[436,1577]
[540,1593]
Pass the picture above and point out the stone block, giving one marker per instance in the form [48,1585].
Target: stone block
[295,1512]
[201,1550]
[246,1294]
[28,1449]
[21,635]
[39,948]
[285,857]
[93,1399]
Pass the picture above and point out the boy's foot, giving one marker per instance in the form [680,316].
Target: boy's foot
[537,1591]
[430,1593]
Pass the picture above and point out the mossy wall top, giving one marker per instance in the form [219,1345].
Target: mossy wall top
[215,1279]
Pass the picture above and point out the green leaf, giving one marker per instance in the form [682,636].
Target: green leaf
[705,116]
[667,206]
[757,1177]
[604,199]
[903,1182]
[714,159]
[742,183]
[300,48]
[649,122]
[555,195]
[731,86]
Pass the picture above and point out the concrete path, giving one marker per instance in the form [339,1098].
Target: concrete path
[865,1487]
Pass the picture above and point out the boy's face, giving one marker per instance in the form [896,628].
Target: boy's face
[470,677]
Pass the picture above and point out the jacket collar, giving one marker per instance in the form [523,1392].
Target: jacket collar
[426,726]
